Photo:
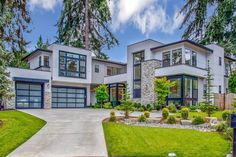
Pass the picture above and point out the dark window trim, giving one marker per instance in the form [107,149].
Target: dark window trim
[40,61]
[220,61]
[66,52]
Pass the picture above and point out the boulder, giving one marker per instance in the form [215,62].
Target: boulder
[186,122]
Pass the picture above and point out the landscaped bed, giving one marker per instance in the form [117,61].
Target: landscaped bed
[125,140]
[17,127]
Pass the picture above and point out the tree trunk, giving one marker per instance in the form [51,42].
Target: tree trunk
[86,24]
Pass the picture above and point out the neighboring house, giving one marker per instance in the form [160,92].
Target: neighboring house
[66,77]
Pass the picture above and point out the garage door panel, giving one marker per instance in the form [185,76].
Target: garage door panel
[68,97]
[28,95]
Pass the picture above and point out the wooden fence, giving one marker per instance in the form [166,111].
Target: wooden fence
[224,101]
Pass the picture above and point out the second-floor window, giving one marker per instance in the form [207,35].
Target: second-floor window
[194,58]
[187,56]
[177,57]
[40,60]
[72,65]
[220,61]
[46,61]
[166,59]
[220,89]
[96,68]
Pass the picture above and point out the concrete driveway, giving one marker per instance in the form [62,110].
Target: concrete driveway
[68,132]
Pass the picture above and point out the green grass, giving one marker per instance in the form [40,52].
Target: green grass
[124,140]
[217,114]
[16,129]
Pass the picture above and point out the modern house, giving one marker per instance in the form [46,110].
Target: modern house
[66,77]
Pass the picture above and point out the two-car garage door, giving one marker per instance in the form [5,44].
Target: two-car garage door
[68,97]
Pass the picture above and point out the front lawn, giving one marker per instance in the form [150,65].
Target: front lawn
[17,127]
[124,140]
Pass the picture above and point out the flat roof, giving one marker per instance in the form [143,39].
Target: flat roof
[109,61]
[34,52]
[182,41]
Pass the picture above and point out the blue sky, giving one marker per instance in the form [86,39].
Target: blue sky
[133,20]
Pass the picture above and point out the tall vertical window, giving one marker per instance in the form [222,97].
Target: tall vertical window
[40,61]
[187,56]
[177,57]
[194,58]
[137,59]
[72,65]
[166,59]
[220,61]
[226,69]
[96,68]
[219,89]
[46,61]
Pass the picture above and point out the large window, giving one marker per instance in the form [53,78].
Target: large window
[116,92]
[137,59]
[177,57]
[72,65]
[166,59]
[187,56]
[175,91]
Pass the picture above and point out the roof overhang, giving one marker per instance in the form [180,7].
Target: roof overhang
[23,79]
[35,52]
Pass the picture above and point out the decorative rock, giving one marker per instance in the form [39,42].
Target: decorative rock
[213,121]
[229,155]
[171,154]
[186,122]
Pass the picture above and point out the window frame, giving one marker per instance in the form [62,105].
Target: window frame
[220,61]
[96,68]
[66,57]
[40,61]
[169,60]
[46,64]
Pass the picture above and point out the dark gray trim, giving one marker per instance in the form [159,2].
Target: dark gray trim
[109,61]
[230,58]
[34,52]
[182,41]
[23,79]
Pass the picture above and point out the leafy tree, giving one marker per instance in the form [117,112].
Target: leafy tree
[40,44]
[5,83]
[162,89]
[126,103]
[232,82]
[101,94]
[85,24]
[211,21]
[14,19]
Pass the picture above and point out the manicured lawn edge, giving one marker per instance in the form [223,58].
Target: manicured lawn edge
[17,128]
[124,140]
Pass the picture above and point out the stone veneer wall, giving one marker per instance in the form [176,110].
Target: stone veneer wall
[10,104]
[47,100]
[148,75]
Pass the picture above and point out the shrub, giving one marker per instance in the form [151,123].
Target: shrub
[184,113]
[228,134]
[144,107]
[102,93]
[194,107]
[140,109]
[222,127]
[112,116]
[97,105]
[142,118]
[107,105]
[147,114]
[197,120]
[171,120]
[150,109]
[165,113]
[137,105]
[172,108]
[209,109]
[118,107]
[226,114]
[157,106]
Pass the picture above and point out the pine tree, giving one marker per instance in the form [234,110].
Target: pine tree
[86,26]
[40,44]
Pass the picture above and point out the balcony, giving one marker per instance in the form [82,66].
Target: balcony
[181,69]
[115,78]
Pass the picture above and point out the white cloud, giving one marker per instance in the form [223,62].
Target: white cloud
[44,4]
[147,15]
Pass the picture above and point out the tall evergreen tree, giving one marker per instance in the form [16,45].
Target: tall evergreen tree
[86,26]
[40,44]
[208,95]
[211,21]
[14,19]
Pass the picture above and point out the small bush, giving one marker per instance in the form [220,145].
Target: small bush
[226,114]
[118,107]
[137,105]
[157,106]
[171,120]
[147,114]
[197,120]
[142,118]
[222,127]
[172,108]
[150,109]
[97,105]
[140,109]
[107,105]
[194,107]
[165,113]
[144,107]
[112,116]
[184,113]
[229,134]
